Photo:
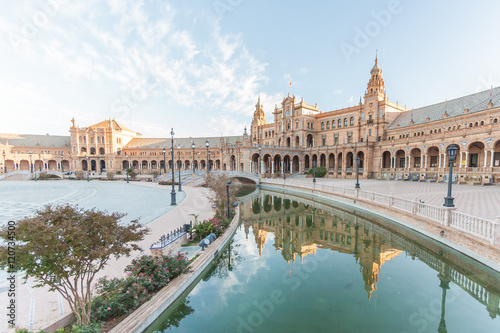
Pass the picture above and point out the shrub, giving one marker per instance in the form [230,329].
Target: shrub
[110,175]
[118,172]
[217,225]
[79,175]
[133,174]
[320,171]
[45,176]
[155,174]
[145,274]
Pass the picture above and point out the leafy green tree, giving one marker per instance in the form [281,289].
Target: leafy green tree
[63,247]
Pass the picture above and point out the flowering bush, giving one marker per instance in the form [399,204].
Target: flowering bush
[217,225]
[146,274]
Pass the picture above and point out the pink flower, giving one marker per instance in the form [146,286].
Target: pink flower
[135,284]
[168,280]
[109,308]
[128,291]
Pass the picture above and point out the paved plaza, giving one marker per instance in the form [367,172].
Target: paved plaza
[37,307]
[482,201]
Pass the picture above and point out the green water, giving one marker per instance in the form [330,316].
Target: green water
[297,265]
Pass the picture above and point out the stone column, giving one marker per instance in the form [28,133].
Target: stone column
[491,160]
[461,159]
[272,167]
[282,170]
[409,162]
[426,165]
[291,167]
[439,156]
[466,157]
[300,167]
[485,158]
[495,236]
[381,162]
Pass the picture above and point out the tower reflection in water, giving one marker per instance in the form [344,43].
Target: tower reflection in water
[301,227]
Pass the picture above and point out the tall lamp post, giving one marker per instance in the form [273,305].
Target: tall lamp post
[40,159]
[284,171]
[31,163]
[179,155]
[62,164]
[452,154]
[314,171]
[193,146]
[172,194]
[4,165]
[207,144]
[88,176]
[128,167]
[227,187]
[357,172]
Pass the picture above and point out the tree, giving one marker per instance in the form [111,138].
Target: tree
[218,184]
[63,247]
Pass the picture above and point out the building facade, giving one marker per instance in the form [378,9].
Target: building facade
[391,141]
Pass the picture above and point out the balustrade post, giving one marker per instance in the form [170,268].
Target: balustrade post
[356,192]
[391,200]
[372,196]
[447,216]
[495,232]
[414,206]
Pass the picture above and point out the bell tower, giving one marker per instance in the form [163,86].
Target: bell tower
[376,86]
[258,120]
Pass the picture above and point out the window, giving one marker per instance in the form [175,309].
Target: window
[434,160]
[402,162]
[91,139]
[345,122]
[349,137]
[339,123]
[323,140]
[473,160]
[336,138]
[328,125]
[351,121]
[322,126]
[369,132]
[333,123]
[416,164]
[370,118]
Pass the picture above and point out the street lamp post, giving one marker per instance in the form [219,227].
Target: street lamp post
[227,187]
[128,167]
[62,165]
[4,165]
[357,172]
[207,144]
[284,171]
[88,176]
[193,146]
[172,194]
[179,154]
[31,163]
[314,171]
[164,162]
[452,154]
[40,159]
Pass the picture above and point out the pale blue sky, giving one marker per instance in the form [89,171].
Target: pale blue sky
[198,66]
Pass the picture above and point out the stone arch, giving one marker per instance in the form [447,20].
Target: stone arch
[135,164]
[93,165]
[477,156]
[277,163]
[349,160]
[154,164]
[23,165]
[400,158]
[288,142]
[295,164]
[101,151]
[331,161]
[144,164]
[309,140]
[267,163]
[297,141]
[361,155]
[84,165]
[52,165]
[386,159]
[322,160]
[125,165]
[416,158]
[307,162]
[340,162]
[286,163]
[432,157]
[102,166]
[255,163]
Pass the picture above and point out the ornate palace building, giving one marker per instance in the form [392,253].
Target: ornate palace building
[391,141]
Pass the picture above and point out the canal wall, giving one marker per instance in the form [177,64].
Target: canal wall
[146,314]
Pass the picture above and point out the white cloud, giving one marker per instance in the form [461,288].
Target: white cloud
[338,92]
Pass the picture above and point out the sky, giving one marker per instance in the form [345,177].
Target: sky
[199,66]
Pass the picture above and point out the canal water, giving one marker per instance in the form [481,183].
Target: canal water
[302,264]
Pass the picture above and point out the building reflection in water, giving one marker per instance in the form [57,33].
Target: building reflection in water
[302,226]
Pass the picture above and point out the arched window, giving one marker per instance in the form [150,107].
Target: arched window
[84,150]
[351,121]
[495,120]
[345,122]
[101,151]
[92,151]
[482,122]
[328,125]
[333,123]
[322,126]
